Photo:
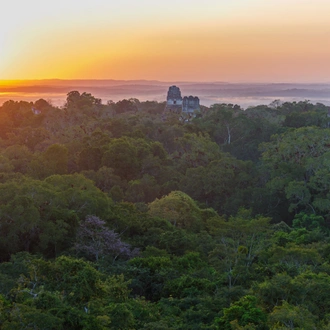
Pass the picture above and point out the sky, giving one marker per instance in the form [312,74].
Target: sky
[173,40]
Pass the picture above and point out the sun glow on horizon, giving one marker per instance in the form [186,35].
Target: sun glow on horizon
[174,40]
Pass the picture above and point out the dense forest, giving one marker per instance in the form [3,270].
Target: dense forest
[121,216]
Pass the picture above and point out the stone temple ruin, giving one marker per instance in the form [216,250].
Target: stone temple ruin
[176,104]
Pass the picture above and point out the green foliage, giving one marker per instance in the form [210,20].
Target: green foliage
[245,312]
[53,161]
[179,209]
[90,159]
[231,235]
[308,221]
[296,161]
[292,317]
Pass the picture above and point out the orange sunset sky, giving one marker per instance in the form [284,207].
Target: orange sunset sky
[196,40]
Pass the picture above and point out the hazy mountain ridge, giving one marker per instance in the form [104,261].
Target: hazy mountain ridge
[208,92]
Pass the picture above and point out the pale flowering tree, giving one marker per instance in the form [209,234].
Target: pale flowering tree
[96,240]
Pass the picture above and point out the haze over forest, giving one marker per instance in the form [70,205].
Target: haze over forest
[244,94]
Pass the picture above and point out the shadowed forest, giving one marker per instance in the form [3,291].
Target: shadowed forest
[121,216]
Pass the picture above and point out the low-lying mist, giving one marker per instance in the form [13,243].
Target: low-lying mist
[244,94]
